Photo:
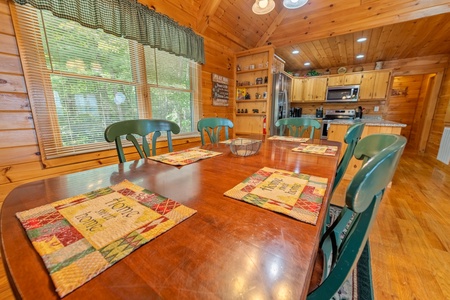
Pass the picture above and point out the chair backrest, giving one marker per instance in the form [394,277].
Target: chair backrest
[213,127]
[344,241]
[351,138]
[142,127]
[297,126]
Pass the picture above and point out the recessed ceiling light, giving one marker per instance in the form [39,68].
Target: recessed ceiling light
[307,64]
[360,40]
[295,52]
[360,56]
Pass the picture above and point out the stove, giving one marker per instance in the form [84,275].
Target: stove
[339,114]
[330,115]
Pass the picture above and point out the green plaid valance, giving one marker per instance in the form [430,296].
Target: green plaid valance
[131,20]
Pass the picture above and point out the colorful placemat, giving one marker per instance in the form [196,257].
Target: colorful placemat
[288,138]
[80,237]
[184,157]
[296,195]
[317,149]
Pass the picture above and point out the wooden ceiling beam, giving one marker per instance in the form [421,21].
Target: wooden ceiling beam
[207,11]
[268,33]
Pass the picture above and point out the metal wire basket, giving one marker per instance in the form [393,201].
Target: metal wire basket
[245,147]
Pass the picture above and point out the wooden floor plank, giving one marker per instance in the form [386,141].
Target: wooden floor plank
[409,240]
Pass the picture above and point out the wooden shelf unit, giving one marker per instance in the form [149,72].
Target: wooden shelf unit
[254,78]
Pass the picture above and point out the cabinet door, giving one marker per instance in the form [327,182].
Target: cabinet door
[380,85]
[366,87]
[352,79]
[336,80]
[319,89]
[297,89]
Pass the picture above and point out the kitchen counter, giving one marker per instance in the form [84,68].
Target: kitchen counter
[369,122]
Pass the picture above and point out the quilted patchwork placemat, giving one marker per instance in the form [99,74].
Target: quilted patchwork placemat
[317,149]
[184,157]
[288,138]
[296,195]
[80,237]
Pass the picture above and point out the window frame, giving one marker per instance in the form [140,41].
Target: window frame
[41,88]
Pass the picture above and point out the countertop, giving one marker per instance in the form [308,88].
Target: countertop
[369,121]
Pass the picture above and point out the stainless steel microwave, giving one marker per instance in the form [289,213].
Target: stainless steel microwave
[347,93]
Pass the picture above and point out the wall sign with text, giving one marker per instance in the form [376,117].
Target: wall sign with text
[220,93]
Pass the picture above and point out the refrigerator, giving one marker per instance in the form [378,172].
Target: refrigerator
[281,95]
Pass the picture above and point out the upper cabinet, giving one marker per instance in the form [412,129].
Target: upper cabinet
[374,85]
[253,89]
[345,79]
[311,89]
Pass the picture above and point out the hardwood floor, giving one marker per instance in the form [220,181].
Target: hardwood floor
[410,239]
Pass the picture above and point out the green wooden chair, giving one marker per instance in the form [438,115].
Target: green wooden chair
[142,127]
[213,127]
[297,126]
[351,138]
[342,244]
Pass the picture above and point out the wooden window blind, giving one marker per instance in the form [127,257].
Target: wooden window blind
[80,80]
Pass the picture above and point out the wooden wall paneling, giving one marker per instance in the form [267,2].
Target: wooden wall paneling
[441,114]
[6,24]
[17,138]
[12,83]
[11,102]
[424,93]
[219,60]
[402,107]
[4,8]
[9,44]
[184,12]
[18,155]
[16,120]
[10,64]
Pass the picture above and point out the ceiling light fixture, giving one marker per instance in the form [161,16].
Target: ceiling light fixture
[295,51]
[307,64]
[293,4]
[261,7]
[360,56]
[360,40]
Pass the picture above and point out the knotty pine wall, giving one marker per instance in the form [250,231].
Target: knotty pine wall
[19,152]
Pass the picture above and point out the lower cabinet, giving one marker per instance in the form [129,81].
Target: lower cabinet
[337,133]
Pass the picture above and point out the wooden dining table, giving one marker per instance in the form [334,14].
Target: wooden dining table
[228,249]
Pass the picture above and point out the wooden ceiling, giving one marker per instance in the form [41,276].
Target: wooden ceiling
[324,31]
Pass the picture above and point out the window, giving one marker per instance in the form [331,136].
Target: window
[80,80]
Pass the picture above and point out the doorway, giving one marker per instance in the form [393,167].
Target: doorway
[412,101]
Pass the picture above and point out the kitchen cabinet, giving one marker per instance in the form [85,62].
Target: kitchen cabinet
[345,79]
[374,85]
[311,89]
[336,132]
[253,89]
